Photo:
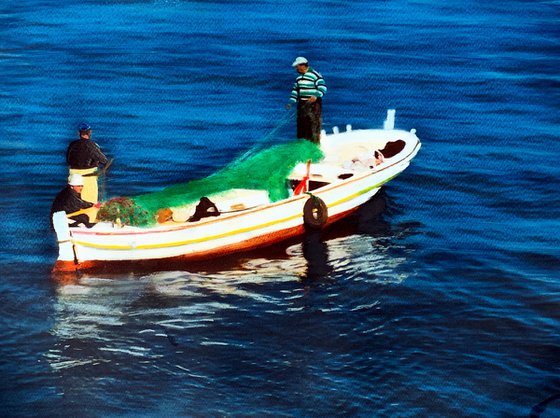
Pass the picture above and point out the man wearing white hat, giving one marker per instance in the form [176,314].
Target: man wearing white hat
[308,91]
[70,201]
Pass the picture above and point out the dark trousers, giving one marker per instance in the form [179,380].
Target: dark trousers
[309,120]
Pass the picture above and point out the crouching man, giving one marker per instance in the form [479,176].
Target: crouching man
[70,201]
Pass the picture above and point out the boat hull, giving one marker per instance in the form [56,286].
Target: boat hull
[107,266]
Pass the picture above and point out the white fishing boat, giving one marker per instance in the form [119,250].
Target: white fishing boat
[356,164]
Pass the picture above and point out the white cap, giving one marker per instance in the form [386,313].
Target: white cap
[299,60]
[76,180]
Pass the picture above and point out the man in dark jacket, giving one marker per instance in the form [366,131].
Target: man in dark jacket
[83,153]
[85,157]
[69,200]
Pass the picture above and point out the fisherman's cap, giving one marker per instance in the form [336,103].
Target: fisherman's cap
[76,180]
[299,60]
[84,127]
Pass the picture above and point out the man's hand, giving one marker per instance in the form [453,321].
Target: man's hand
[312,99]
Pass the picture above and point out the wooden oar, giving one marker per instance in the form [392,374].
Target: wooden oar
[81,211]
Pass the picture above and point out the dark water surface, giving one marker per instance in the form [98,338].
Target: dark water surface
[441,298]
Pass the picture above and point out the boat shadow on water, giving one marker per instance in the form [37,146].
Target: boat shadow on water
[312,247]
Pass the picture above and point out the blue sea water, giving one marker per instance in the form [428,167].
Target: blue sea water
[440,298]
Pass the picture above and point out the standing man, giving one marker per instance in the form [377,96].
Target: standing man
[308,90]
[85,157]
[69,200]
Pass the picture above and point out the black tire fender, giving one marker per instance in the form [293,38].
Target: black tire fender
[315,212]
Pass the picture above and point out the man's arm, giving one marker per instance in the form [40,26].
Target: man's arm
[97,155]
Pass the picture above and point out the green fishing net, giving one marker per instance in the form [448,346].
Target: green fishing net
[265,170]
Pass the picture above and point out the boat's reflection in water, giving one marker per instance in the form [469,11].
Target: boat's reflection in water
[323,250]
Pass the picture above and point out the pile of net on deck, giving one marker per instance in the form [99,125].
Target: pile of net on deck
[265,170]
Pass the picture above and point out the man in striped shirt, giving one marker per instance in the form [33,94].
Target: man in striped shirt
[307,92]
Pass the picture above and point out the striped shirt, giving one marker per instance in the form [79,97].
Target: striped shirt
[306,85]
